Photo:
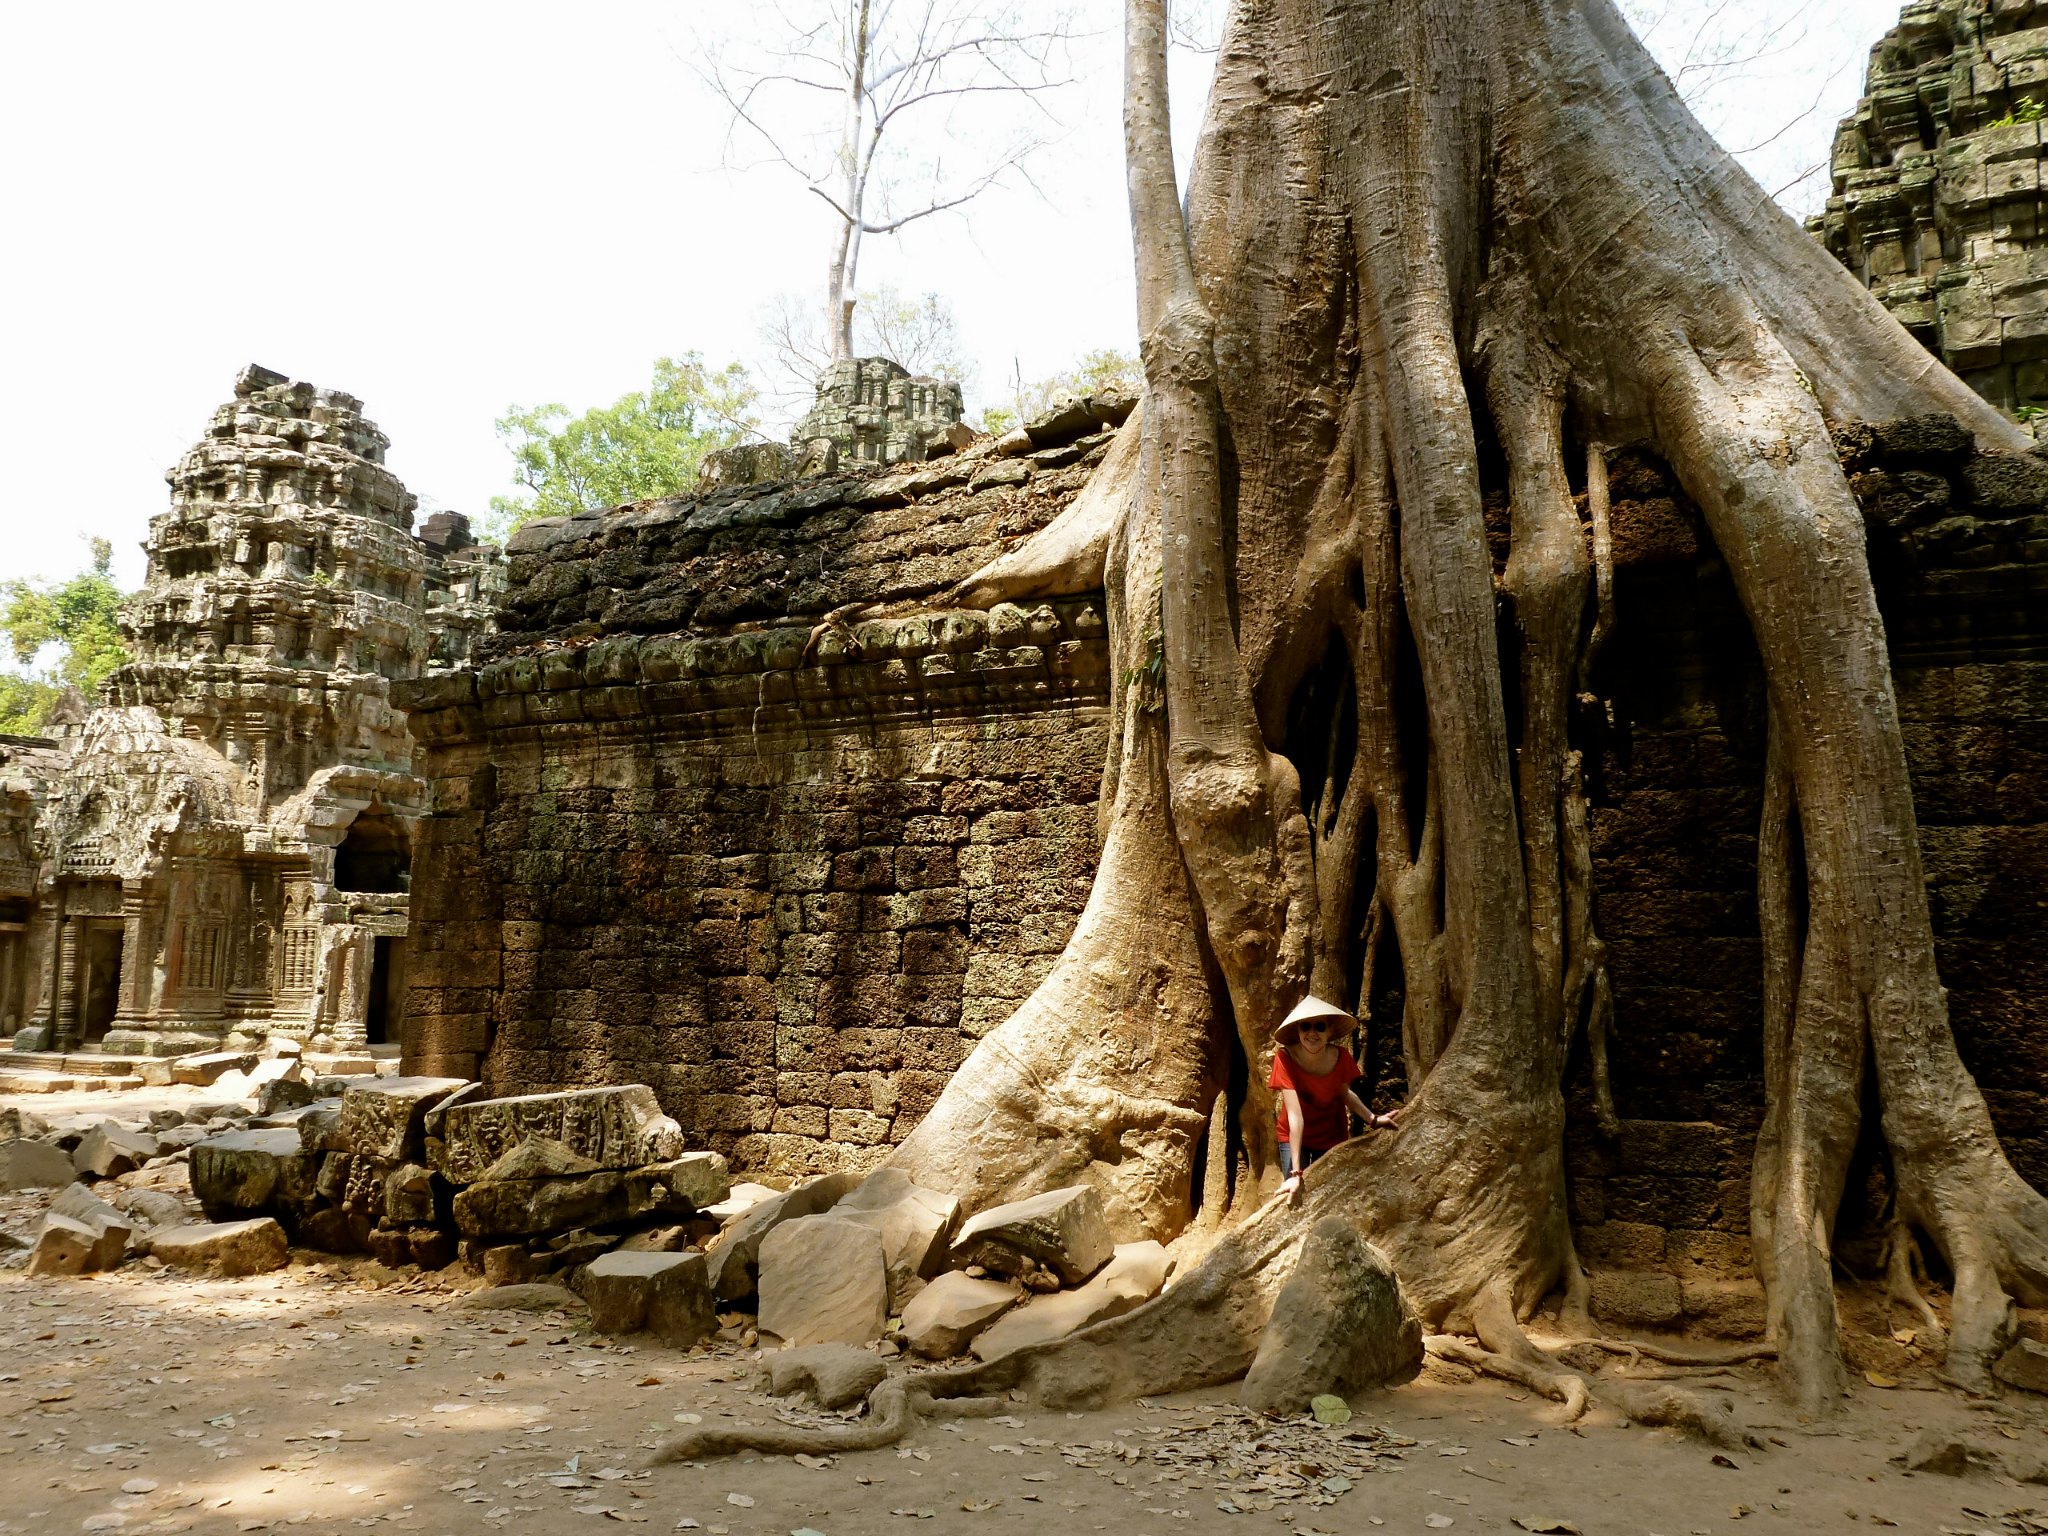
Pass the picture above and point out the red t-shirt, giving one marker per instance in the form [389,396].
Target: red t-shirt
[1323,1120]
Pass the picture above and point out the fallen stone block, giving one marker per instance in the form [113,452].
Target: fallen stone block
[540,1158]
[1063,1230]
[511,1264]
[179,1138]
[2024,1366]
[533,1296]
[1341,1325]
[203,1069]
[617,1128]
[947,1315]
[64,1246]
[259,1078]
[109,1149]
[528,1207]
[830,1375]
[734,1260]
[670,1239]
[914,1224]
[230,1248]
[1134,1275]
[1946,1455]
[110,1225]
[823,1281]
[242,1172]
[668,1294]
[284,1093]
[744,1198]
[17,1123]
[34,1165]
[156,1208]
[319,1126]
[409,1196]
[1637,1298]
[386,1119]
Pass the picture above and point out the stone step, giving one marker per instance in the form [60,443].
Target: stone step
[75,1063]
[15,1080]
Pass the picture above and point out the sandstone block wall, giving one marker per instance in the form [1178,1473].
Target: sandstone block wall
[786,873]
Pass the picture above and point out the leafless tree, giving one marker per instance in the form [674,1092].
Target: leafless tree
[892,111]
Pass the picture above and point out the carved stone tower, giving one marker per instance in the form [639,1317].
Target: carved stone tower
[284,591]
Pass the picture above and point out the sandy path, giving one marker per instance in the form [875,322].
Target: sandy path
[309,1401]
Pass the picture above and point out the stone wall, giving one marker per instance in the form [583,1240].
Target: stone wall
[1957,541]
[688,832]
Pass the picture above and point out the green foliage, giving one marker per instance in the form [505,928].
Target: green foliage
[646,444]
[2028,110]
[75,623]
[1097,371]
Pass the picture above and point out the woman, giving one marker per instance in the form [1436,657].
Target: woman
[1312,1075]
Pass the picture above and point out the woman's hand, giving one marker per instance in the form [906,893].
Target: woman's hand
[1290,1184]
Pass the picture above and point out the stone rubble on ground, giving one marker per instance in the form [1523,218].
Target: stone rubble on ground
[824,1280]
[1341,1325]
[1135,1273]
[831,1376]
[947,1315]
[28,1164]
[227,1248]
[1062,1230]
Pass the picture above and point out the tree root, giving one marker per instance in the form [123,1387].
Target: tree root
[1552,1381]
[1904,1272]
[894,1410]
[1665,1354]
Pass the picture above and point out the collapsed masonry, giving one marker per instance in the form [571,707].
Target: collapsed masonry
[1938,199]
[222,851]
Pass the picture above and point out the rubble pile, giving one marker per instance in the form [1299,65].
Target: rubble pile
[838,1261]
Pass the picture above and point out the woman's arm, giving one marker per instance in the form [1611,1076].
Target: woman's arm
[1364,1111]
[1290,1105]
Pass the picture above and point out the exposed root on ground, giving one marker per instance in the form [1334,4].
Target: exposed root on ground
[894,1409]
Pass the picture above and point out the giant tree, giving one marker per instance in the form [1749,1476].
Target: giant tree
[1413,228]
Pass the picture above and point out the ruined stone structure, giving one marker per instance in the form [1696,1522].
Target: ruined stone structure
[785,878]
[874,411]
[788,873]
[1938,200]
[224,848]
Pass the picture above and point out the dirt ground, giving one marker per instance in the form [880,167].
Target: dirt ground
[336,1396]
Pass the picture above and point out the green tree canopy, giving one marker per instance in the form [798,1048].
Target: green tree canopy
[645,444]
[71,627]
[1104,368]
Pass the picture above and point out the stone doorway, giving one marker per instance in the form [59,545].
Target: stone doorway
[101,999]
[376,856]
[387,989]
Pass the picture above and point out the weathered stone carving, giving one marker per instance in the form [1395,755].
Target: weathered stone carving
[222,850]
[874,411]
[1937,201]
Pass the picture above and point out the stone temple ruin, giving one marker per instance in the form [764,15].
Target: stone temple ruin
[1938,198]
[222,851]
[874,411]
[675,814]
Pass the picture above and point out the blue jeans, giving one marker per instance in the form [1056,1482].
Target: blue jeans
[1288,1167]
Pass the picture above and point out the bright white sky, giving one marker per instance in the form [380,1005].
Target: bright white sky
[447,208]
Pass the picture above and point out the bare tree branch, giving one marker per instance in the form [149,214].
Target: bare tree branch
[832,99]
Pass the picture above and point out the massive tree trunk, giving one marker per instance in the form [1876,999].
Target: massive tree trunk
[1423,236]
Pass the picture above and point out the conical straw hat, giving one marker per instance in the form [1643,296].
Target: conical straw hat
[1313,1007]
